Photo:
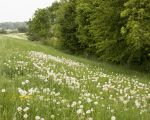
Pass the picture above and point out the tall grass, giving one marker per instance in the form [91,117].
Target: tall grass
[41,83]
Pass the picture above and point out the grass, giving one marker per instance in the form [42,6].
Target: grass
[42,83]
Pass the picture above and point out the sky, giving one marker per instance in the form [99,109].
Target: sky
[20,10]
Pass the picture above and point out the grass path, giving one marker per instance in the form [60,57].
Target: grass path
[41,83]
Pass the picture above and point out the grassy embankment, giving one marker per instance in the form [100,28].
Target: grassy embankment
[38,82]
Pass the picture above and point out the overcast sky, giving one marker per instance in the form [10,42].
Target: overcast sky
[20,10]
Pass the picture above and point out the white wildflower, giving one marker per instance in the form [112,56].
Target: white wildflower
[81,106]
[73,104]
[37,118]
[19,109]
[89,100]
[3,90]
[26,109]
[88,111]
[25,116]
[137,103]
[52,116]
[79,111]
[23,83]
[27,81]
[95,103]
[90,118]
[113,118]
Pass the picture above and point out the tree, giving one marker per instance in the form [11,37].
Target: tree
[105,25]
[39,25]
[22,29]
[136,30]
[68,26]
[117,31]
[83,11]
[2,31]
[53,9]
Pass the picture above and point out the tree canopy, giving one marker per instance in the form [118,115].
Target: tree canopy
[117,31]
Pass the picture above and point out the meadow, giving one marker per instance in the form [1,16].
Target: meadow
[42,83]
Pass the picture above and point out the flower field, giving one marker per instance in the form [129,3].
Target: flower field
[40,83]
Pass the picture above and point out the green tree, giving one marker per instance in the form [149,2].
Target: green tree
[2,31]
[68,26]
[136,30]
[84,10]
[53,18]
[22,29]
[39,25]
[114,30]
[105,25]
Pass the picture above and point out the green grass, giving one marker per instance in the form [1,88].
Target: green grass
[36,80]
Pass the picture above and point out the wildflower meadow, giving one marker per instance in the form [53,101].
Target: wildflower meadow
[41,83]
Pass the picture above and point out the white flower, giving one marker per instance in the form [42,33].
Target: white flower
[23,83]
[27,81]
[22,92]
[41,97]
[81,106]
[90,118]
[68,105]
[88,111]
[137,103]
[89,100]
[148,95]
[79,102]
[37,118]
[25,116]
[73,104]
[113,118]
[3,90]
[52,116]
[112,110]
[92,109]
[95,103]
[79,111]
[19,109]
[42,119]
[26,109]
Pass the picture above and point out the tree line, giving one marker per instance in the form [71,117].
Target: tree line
[13,27]
[116,31]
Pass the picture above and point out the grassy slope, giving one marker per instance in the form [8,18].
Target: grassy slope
[12,81]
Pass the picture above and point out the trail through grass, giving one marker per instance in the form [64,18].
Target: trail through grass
[41,83]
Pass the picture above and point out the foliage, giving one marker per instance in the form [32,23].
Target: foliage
[117,31]
[12,25]
[2,31]
[68,25]
[84,10]
[39,25]
[52,17]
[136,30]
[22,29]
[105,27]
